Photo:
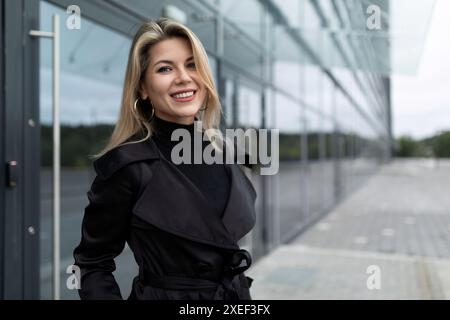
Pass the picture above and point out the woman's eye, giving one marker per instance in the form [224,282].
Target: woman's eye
[164,69]
[191,65]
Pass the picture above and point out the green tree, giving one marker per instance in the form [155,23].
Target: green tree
[441,145]
[408,147]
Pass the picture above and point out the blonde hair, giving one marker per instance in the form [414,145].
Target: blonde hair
[132,121]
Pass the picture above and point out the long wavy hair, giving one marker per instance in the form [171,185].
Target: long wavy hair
[133,121]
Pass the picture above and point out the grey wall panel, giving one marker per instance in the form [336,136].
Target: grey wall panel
[2,160]
[13,138]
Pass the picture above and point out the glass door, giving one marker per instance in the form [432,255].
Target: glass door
[92,68]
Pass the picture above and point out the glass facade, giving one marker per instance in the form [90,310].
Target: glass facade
[276,65]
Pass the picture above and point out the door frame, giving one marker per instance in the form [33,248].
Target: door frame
[2,167]
[20,224]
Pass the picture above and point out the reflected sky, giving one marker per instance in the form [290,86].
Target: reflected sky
[93,61]
[83,100]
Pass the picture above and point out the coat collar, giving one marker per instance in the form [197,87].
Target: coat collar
[114,159]
[171,202]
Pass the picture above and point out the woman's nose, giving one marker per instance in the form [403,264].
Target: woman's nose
[183,76]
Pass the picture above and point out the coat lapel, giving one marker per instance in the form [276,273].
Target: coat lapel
[239,216]
[171,202]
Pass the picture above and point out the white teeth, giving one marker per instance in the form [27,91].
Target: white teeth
[184,94]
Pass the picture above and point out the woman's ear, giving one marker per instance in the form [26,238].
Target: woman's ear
[142,92]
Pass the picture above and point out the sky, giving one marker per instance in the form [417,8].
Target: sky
[421,103]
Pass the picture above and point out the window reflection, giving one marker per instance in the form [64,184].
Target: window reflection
[249,108]
[247,14]
[288,120]
[287,78]
[315,167]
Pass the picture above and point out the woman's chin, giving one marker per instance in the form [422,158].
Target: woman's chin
[186,111]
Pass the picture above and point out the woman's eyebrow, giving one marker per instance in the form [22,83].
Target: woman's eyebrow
[170,62]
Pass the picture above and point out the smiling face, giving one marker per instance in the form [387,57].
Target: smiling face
[172,82]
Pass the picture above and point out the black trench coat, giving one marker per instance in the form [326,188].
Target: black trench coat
[182,250]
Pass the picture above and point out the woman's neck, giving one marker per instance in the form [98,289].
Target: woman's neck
[164,128]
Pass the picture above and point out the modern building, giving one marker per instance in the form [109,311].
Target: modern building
[304,67]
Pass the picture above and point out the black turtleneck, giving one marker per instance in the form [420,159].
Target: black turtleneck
[211,179]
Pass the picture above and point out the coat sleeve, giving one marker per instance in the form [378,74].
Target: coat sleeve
[104,231]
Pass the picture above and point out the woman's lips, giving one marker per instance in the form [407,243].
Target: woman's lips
[185,99]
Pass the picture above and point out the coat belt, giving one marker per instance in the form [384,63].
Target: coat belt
[231,270]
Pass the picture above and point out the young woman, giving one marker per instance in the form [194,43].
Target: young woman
[182,221]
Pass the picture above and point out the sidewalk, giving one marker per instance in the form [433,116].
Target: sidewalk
[398,222]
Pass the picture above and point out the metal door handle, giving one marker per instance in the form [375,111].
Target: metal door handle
[55,35]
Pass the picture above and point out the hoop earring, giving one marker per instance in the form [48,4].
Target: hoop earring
[135,105]
[136,111]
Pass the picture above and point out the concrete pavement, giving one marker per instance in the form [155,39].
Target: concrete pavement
[390,239]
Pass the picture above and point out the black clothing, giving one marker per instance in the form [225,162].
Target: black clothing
[183,250]
[211,179]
